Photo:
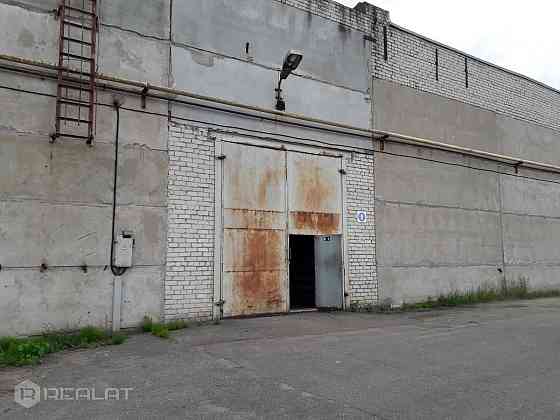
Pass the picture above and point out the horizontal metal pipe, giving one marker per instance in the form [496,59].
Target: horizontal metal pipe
[286,116]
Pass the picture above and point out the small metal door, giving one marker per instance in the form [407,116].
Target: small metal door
[328,271]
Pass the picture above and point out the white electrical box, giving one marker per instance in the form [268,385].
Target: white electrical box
[123,251]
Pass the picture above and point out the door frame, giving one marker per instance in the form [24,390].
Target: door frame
[217,305]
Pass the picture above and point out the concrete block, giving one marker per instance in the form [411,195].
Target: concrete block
[32,168]
[416,284]
[531,240]
[35,5]
[54,300]
[422,182]
[34,232]
[531,197]
[528,141]
[211,75]
[149,228]
[275,129]
[142,295]
[145,17]
[128,55]
[409,111]
[409,235]
[537,276]
[332,52]
[136,127]
[142,176]
[39,115]
[29,33]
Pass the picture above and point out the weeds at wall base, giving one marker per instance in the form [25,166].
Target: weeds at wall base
[162,329]
[30,351]
[506,291]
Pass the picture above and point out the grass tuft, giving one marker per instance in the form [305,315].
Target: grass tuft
[147,323]
[159,330]
[30,351]
[162,329]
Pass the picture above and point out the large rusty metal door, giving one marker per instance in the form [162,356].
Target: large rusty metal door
[254,244]
[315,194]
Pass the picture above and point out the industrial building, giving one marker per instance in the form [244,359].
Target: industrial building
[200,159]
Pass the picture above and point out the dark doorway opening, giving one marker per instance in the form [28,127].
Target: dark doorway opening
[302,272]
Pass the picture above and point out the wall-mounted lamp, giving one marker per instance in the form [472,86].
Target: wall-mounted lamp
[291,62]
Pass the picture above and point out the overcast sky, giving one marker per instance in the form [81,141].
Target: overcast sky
[523,36]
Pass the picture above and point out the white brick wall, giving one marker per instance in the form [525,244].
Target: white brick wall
[360,196]
[189,282]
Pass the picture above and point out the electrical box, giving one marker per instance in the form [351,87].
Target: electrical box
[123,250]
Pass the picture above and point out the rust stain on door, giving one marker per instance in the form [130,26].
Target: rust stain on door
[315,194]
[314,191]
[315,223]
[254,251]
[257,292]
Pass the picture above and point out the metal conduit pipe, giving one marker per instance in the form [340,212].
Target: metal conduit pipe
[145,87]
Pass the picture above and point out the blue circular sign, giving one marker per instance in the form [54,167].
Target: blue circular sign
[361,216]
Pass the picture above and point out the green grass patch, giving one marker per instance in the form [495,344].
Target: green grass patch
[162,329]
[484,294]
[30,351]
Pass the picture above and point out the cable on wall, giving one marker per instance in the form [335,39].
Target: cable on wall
[117,271]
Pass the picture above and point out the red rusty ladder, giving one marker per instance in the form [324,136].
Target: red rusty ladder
[75,99]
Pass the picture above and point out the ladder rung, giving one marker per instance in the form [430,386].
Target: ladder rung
[78,120]
[76,136]
[69,86]
[76,9]
[77,57]
[81,73]
[77,41]
[77,25]
[74,102]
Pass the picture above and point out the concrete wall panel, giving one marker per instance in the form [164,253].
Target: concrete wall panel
[54,300]
[409,111]
[146,17]
[423,182]
[34,232]
[142,176]
[149,228]
[528,141]
[332,52]
[537,276]
[136,127]
[31,167]
[426,236]
[405,284]
[531,240]
[141,295]
[38,118]
[128,55]
[531,197]
[211,75]
[28,33]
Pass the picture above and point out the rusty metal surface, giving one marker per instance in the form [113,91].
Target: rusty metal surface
[254,244]
[315,194]
[308,223]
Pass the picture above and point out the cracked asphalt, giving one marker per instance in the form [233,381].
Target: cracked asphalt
[496,361]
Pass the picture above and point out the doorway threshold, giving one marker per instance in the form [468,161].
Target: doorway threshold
[300,310]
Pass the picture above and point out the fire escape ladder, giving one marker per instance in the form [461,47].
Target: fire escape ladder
[75,99]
